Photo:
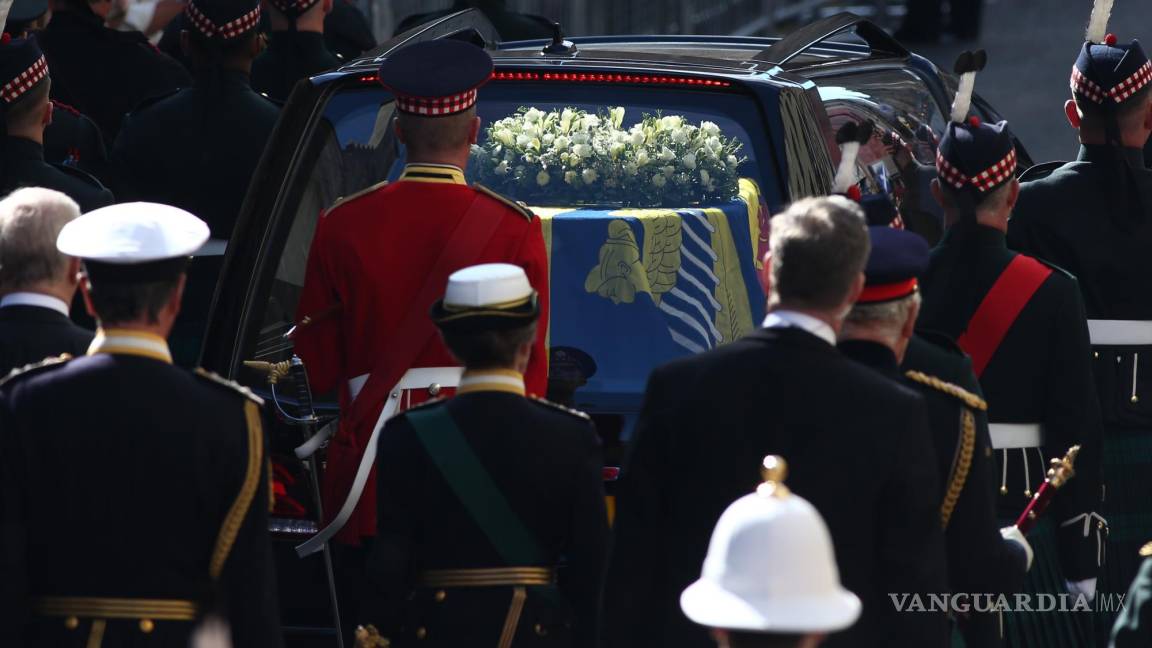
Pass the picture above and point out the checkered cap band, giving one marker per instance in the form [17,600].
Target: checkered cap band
[986,180]
[437,106]
[1085,87]
[12,90]
[231,29]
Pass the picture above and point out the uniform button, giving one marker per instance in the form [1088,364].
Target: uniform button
[441,595]
[1096,354]
[540,630]
[146,626]
[987,452]
[421,633]
[434,389]
[71,623]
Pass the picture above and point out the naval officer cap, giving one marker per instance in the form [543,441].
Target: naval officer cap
[771,567]
[133,242]
[436,78]
[898,258]
[487,297]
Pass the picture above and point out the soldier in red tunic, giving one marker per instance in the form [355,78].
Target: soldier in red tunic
[381,257]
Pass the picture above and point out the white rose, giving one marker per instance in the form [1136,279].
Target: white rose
[506,137]
[562,143]
[581,150]
[666,155]
[680,136]
[637,138]
[589,176]
[581,138]
[659,180]
[591,121]
[501,169]
[642,158]
[523,140]
[548,139]
[709,128]
[689,161]
[732,161]
[671,122]
[542,178]
[533,116]
[668,171]
[570,177]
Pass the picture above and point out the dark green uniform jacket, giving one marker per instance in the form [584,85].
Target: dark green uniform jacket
[135,499]
[546,463]
[290,57]
[22,165]
[1041,373]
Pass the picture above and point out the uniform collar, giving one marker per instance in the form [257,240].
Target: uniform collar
[128,342]
[872,354]
[971,234]
[35,299]
[438,173]
[21,148]
[792,319]
[492,380]
[1104,154]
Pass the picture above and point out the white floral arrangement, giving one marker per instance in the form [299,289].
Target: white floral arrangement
[573,157]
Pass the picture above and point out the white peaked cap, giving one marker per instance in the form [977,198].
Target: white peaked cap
[771,568]
[133,233]
[487,285]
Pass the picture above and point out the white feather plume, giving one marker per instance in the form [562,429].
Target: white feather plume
[846,172]
[1098,23]
[963,99]
[5,7]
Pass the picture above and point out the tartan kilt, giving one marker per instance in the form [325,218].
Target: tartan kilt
[1054,629]
[1127,471]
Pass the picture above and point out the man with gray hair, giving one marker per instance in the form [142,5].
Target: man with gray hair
[878,333]
[857,443]
[37,282]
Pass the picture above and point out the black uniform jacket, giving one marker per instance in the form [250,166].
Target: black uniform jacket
[29,334]
[546,461]
[290,57]
[1041,373]
[125,477]
[856,445]
[22,165]
[195,149]
[104,72]
[74,139]
[1076,218]
[979,560]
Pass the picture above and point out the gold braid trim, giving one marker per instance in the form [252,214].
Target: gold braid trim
[96,634]
[960,465]
[512,621]
[239,510]
[971,400]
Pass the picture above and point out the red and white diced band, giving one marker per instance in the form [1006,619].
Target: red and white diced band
[12,90]
[1084,86]
[986,180]
[437,106]
[230,29]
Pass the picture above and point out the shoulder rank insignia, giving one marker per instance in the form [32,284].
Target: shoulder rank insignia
[520,207]
[1146,550]
[36,367]
[557,406]
[217,379]
[955,391]
[359,194]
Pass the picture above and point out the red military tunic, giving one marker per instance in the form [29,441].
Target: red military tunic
[370,257]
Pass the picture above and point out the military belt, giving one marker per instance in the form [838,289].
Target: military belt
[93,607]
[1120,332]
[1015,435]
[489,577]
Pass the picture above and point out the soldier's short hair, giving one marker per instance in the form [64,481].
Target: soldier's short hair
[819,247]
[491,349]
[890,313]
[30,221]
[28,111]
[763,640]
[1129,114]
[118,303]
[436,134]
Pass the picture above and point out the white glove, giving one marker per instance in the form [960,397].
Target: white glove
[1013,534]
[1087,587]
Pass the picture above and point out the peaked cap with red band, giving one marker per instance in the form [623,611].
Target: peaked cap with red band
[897,259]
[974,157]
[436,78]
[223,19]
[22,67]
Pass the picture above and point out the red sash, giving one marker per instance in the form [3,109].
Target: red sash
[1000,308]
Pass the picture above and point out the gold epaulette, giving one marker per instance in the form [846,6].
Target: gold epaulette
[557,406]
[520,207]
[217,379]
[29,369]
[955,391]
[359,194]
[1146,550]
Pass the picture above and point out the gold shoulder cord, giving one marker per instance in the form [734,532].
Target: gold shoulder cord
[971,400]
[235,517]
[960,466]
